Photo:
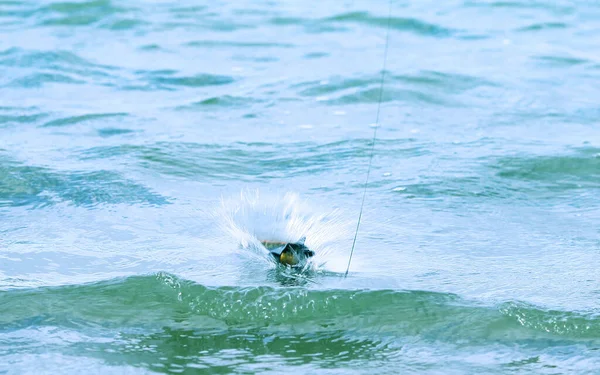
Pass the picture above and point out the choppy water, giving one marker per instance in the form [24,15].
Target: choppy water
[145,145]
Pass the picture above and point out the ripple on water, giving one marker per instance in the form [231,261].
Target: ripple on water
[564,172]
[557,7]
[18,57]
[170,80]
[248,161]
[221,102]
[544,26]
[84,13]
[20,115]
[110,132]
[526,179]
[412,25]
[343,21]
[430,87]
[72,120]
[23,185]
[236,44]
[554,61]
[39,80]
[39,68]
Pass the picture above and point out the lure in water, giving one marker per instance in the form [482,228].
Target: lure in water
[294,254]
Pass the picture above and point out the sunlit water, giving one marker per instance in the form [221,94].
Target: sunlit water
[146,148]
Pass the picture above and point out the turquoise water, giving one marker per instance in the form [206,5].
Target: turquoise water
[146,147]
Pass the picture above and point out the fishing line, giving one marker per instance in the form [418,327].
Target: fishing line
[387,39]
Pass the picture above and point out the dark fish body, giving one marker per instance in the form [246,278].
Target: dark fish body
[294,254]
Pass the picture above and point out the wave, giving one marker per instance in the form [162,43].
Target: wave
[253,161]
[432,87]
[169,301]
[26,185]
[395,23]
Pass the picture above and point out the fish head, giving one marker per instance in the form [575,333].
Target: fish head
[292,254]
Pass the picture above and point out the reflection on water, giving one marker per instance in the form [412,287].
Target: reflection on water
[247,351]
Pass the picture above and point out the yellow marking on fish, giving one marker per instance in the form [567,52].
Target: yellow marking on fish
[287,257]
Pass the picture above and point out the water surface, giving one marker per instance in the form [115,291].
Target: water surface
[145,146]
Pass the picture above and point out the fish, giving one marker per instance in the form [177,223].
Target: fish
[294,254]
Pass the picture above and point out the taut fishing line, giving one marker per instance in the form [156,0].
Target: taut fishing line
[387,39]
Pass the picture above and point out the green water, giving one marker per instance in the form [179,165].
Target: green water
[147,147]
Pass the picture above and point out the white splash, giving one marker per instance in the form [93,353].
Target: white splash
[252,217]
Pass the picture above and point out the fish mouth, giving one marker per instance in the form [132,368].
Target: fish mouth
[294,254]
